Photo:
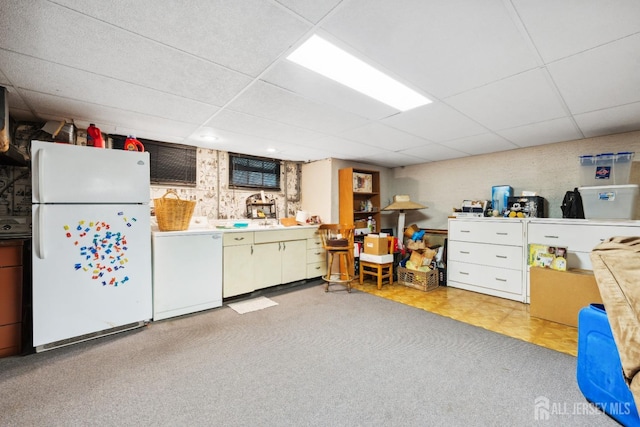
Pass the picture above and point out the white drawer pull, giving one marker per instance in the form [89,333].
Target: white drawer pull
[238,238]
[502,234]
[551,237]
[465,273]
[501,280]
[501,256]
[464,252]
[465,231]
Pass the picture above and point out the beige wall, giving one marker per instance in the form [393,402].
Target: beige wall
[550,170]
[316,187]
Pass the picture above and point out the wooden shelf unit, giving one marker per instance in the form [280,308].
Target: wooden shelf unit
[351,200]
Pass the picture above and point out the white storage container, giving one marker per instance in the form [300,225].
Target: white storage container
[609,201]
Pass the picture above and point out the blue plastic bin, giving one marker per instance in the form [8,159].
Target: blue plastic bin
[599,370]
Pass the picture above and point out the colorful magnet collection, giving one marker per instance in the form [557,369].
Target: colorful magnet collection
[102,250]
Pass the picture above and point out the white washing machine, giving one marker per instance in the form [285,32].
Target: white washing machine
[187,271]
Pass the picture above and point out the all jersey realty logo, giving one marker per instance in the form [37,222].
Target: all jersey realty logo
[545,408]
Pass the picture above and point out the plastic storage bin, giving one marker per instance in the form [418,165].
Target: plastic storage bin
[622,168]
[605,169]
[588,171]
[599,370]
[609,201]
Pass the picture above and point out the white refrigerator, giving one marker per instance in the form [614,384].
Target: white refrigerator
[91,242]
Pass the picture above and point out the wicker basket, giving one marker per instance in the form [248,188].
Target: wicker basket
[423,280]
[173,214]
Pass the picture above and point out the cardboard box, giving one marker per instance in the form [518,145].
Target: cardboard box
[376,245]
[378,259]
[559,295]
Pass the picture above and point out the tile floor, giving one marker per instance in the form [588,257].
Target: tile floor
[500,315]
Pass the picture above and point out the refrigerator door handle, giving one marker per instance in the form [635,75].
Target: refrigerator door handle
[39,171]
[38,234]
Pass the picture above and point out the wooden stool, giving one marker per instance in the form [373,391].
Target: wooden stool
[377,270]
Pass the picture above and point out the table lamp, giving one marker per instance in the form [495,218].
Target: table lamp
[402,203]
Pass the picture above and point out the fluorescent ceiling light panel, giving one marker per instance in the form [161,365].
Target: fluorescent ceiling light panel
[324,58]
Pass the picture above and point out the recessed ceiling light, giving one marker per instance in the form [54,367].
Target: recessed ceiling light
[271,150]
[332,62]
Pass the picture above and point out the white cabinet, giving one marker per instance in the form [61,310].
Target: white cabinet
[487,256]
[238,260]
[578,236]
[260,259]
[490,255]
[316,257]
[187,272]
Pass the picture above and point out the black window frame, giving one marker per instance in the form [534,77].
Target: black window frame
[180,168]
[261,171]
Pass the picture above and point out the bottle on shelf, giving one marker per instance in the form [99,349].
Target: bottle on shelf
[94,137]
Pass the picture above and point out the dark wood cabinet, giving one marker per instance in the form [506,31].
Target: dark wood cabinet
[11,273]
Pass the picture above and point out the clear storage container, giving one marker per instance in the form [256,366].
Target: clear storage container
[605,169]
[622,167]
[609,201]
[588,170]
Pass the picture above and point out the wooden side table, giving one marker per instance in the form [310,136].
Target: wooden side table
[377,270]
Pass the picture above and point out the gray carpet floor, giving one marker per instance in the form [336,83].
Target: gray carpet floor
[315,359]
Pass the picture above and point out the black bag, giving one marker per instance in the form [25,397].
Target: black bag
[572,205]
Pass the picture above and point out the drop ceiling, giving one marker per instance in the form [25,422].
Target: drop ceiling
[502,74]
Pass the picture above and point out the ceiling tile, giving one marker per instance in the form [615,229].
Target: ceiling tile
[443,47]
[112,120]
[556,130]
[563,28]
[480,144]
[238,142]
[435,122]
[245,36]
[391,160]
[260,127]
[320,89]
[610,121]
[434,152]
[51,32]
[270,102]
[519,100]
[313,10]
[343,147]
[379,135]
[600,78]
[89,87]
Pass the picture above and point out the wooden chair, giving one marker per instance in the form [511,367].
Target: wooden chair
[337,240]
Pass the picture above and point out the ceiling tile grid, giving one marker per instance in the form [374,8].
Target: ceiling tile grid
[502,74]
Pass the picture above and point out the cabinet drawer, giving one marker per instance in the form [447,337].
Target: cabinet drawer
[316,269]
[314,243]
[503,232]
[236,239]
[500,279]
[509,257]
[316,255]
[280,235]
[577,237]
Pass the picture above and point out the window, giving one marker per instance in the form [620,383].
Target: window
[253,172]
[171,164]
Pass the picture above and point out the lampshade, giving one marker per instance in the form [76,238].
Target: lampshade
[402,202]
